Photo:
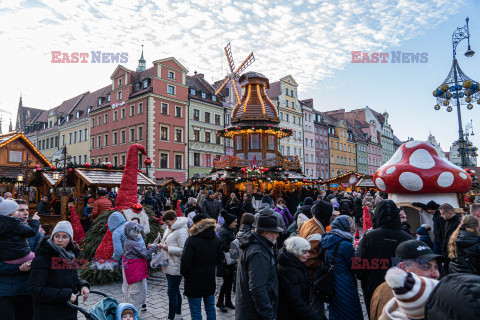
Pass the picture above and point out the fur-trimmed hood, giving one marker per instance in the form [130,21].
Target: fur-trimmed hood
[203,225]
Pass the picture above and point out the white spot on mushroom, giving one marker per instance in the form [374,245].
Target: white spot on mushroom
[422,159]
[397,157]
[463,175]
[413,143]
[391,170]
[452,165]
[380,184]
[411,181]
[445,179]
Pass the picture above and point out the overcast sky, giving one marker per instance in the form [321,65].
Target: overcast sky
[311,40]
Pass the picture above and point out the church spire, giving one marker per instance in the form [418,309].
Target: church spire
[141,63]
[10,127]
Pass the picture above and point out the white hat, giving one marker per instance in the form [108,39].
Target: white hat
[63,226]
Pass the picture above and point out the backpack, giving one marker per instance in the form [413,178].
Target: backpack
[234,249]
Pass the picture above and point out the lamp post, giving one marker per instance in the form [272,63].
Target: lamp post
[471,150]
[458,86]
[147,163]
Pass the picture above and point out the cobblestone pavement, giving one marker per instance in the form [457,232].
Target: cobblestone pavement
[157,300]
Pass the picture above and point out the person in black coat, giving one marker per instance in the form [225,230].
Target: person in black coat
[210,207]
[294,281]
[54,277]
[151,201]
[256,295]
[455,297]
[452,221]
[292,199]
[306,209]
[247,204]
[226,235]
[377,247]
[234,207]
[201,254]
[464,247]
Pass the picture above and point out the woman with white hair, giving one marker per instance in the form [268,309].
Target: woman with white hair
[294,282]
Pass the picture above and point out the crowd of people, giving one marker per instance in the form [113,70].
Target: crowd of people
[300,256]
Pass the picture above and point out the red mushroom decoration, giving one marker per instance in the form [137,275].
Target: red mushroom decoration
[416,173]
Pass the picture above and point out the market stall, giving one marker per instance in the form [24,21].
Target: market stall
[350,181]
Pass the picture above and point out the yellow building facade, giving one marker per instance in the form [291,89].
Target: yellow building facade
[342,149]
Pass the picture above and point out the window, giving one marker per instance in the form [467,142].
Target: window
[115,115]
[164,133]
[214,98]
[204,95]
[196,135]
[123,113]
[106,141]
[178,162]
[115,161]
[288,150]
[132,134]
[196,114]
[69,138]
[254,141]
[293,119]
[56,141]
[140,108]
[115,138]
[196,159]
[271,142]
[337,146]
[145,84]
[207,137]
[286,117]
[92,143]
[119,95]
[217,140]
[332,159]
[164,108]
[208,160]
[286,91]
[217,119]
[227,119]
[192,91]
[163,160]
[171,75]
[120,81]
[239,142]
[48,142]
[99,120]
[170,89]
[140,133]
[178,111]
[178,135]
[105,118]
[99,142]
[123,137]
[132,111]
[79,136]
[123,160]
[207,117]
[281,116]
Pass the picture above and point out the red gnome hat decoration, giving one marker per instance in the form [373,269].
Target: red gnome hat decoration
[127,195]
[105,249]
[367,222]
[78,232]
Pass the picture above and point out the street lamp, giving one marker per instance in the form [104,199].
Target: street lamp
[460,87]
[20,178]
[56,175]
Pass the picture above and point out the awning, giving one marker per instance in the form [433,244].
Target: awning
[106,178]
[365,183]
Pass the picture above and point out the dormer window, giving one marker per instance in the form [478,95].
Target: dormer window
[145,83]
[137,86]
[120,81]
[89,108]
[68,117]
[99,102]
[108,97]
[192,91]
[204,95]
[77,114]
[59,121]
[214,98]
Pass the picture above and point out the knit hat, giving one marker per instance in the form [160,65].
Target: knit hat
[410,291]
[323,211]
[7,207]
[128,311]
[229,218]
[63,226]
[308,201]
[127,195]
[267,199]
[91,201]
[199,217]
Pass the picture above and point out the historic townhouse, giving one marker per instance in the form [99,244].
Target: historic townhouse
[322,155]
[206,115]
[284,94]
[309,138]
[361,141]
[146,106]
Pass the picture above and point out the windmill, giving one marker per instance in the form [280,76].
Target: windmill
[235,74]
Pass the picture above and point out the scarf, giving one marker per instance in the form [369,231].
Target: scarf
[64,254]
[341,227]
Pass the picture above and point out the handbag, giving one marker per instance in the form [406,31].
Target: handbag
[228,259]
[323,284]
[159,259]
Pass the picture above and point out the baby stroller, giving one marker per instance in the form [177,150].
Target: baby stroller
[103,310]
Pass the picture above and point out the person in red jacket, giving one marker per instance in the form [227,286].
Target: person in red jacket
[101,204]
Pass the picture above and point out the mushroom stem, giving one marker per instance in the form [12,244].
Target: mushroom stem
[439,198]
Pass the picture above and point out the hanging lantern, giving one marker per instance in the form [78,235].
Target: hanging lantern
[446,102]
[437,107]
[468,99]
[470,106]
[449,109]
[444,87]
[467,84]
[449,95]
[147,161]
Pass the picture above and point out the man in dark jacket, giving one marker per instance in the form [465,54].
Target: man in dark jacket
[210,206]
[377,247]
[42,206]
[201,254]
[358,211]
[452,221]
[306,209]
[150,201]
[257,283]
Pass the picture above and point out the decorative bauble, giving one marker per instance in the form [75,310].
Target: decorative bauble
[467,84]
[446,102]
[468,99]
[437,107]
[448,95]
[470,106]
[37,166]
[449,109]
[38,169]
[87,165]
[53,168]
[478,101]
[468,92]
[147,161]
[137,208]
[108,165]
[69,170]
[444,87]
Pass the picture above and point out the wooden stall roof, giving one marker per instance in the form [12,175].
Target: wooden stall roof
[11,172]
[365,182]
[106,178]
[165,182]
[12,136]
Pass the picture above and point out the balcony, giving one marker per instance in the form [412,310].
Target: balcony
[289,163]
